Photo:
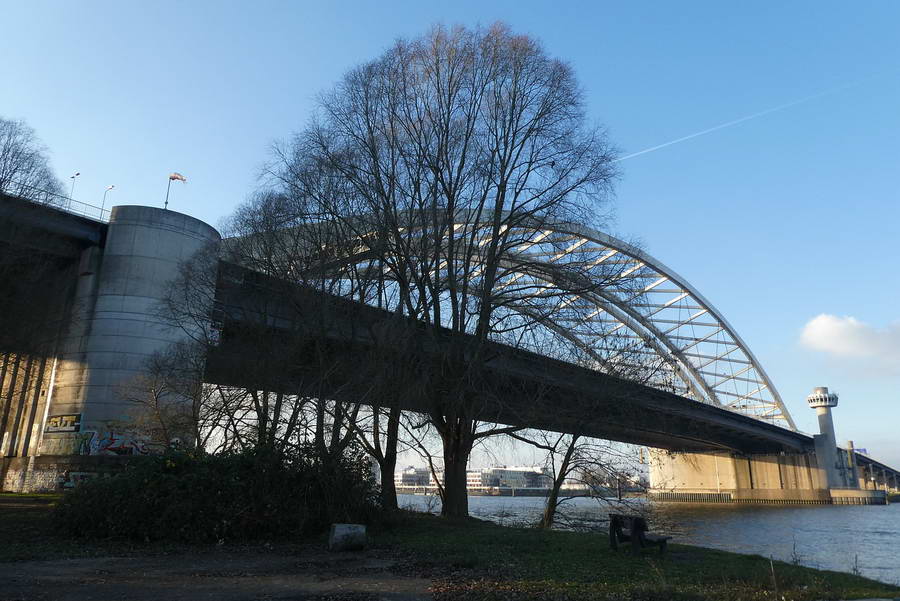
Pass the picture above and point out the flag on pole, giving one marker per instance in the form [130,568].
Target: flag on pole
[174,176]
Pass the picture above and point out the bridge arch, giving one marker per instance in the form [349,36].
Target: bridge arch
[639,308]
[679,324]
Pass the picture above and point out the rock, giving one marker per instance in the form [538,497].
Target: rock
[347,537]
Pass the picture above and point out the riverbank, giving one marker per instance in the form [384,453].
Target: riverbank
[845,538]
[456,559]
[473,559]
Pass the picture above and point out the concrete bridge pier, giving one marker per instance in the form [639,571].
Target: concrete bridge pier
[822,474]
[768,479]
[113,329]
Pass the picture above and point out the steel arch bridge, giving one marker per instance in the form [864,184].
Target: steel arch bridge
[674,321]
[621,308]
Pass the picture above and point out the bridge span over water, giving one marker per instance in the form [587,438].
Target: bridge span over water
[707,398]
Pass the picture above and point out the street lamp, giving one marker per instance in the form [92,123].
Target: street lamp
[72,177]
[108,188]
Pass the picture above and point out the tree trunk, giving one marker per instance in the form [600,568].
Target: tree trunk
[457,441]
[389,462]
[550,509]
[388,487]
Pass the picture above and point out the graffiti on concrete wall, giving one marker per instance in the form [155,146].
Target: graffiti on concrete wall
[72,479]
[64,423]
[110,443]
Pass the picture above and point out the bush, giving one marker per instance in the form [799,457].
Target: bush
[216,498]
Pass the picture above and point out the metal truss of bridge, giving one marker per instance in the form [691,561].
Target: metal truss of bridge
[624,311]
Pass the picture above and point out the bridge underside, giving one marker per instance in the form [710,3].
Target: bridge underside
[520,388]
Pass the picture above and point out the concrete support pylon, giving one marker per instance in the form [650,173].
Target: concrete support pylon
[852,468]
[119,327]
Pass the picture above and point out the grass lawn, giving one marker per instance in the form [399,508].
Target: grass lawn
[473,559]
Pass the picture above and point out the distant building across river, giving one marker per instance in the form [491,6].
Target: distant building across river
[500,480]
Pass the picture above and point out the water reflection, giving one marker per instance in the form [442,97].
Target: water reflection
[834,537]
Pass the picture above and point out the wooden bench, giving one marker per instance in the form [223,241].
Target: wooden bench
[633,529]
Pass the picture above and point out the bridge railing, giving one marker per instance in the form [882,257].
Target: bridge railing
[64,203]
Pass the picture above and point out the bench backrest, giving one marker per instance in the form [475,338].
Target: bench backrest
[634,523]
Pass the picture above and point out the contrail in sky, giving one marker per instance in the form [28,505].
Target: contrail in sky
[742,119]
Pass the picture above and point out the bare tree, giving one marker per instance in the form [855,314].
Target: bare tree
[593,465]
[256,306]
[441,159]
[580,467]
[171,402]
[24,165]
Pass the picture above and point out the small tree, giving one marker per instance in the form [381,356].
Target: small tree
[590,466]
[171,404]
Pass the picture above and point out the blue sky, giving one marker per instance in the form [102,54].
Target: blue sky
[776,220]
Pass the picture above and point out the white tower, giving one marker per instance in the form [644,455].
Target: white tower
[822,401]
[826,444]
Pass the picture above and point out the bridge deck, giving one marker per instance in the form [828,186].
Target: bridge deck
[521,388]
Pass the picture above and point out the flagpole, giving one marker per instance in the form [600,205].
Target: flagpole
[169,187]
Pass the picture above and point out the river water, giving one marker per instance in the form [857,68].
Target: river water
[832,537]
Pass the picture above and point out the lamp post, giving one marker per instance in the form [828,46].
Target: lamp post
[72,190]
[105,192]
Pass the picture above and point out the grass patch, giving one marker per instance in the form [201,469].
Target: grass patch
[473,559]
[476,559]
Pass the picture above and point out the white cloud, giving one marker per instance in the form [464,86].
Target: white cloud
[849,337]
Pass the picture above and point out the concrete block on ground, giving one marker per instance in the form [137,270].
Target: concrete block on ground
[347,537]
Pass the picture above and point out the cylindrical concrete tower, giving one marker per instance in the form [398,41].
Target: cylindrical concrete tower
[825,443]
[116,327]
[822,401]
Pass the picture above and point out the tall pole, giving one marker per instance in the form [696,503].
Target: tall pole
[72,189]
[169,187]
[103,204]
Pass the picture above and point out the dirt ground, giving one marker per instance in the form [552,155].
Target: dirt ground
[314,574]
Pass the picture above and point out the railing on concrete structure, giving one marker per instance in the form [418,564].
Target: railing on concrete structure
[65,203]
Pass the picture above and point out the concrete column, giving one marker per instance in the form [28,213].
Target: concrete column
[852,475]
[118,328]
[826,424]
[825,444]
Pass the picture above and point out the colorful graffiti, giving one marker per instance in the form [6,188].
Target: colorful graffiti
[110,443]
